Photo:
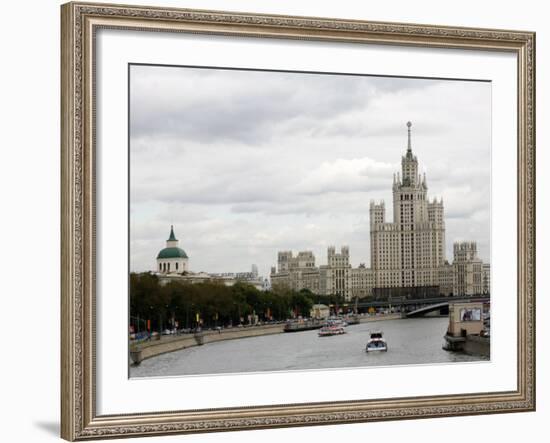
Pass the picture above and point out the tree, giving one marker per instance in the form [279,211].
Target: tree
[302,303]
[213,301]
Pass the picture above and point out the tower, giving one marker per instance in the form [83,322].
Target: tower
[337,272]
[468,270]
[407,252]
[172,259]
[409,163]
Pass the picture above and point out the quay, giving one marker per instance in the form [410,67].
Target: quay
[383,317]
[468,331]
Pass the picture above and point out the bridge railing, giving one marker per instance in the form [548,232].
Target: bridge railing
[421,301]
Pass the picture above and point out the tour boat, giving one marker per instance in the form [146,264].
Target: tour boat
[327,331]
[336,322]
[376,342]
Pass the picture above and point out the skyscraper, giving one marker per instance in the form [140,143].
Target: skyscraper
[407,252]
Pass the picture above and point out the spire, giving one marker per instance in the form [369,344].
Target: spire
[172,236]
[409,148]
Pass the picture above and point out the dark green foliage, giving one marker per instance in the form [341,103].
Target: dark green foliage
[213,302]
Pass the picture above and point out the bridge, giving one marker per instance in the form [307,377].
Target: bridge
[443,308]
[418,307]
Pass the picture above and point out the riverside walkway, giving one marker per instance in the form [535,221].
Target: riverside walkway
[171,343]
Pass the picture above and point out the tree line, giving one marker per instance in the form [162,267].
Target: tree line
[157,306]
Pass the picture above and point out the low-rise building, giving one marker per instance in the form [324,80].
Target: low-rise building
[319,311]
[465,319]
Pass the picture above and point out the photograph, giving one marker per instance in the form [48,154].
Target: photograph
[295,220]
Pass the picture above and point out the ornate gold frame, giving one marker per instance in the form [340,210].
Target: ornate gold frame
[78,416]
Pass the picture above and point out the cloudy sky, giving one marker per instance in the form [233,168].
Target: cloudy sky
[247,163]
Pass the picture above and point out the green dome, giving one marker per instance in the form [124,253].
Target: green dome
[172,253]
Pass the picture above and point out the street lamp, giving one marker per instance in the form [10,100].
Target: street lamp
[174,321]
[238,310]
[187,316]
[149,326]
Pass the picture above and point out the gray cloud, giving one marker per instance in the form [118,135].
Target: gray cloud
[170,106]
[246,163]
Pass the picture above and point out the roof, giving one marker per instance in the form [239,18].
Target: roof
[172,253]
[172,236]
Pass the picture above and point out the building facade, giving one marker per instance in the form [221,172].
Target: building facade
[467,275]
[296,272]
[486,278]
[337,272]
[468,269]
[409,251]
[361,281]
[336,277]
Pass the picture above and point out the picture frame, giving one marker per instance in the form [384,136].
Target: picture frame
[81,22]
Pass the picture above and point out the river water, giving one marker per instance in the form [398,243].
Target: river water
[410,341]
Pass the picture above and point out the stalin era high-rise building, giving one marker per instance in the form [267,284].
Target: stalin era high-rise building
[408,252]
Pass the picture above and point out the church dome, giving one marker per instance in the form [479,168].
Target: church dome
[172,252]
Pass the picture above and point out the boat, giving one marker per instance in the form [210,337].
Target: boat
[328,330]
[336,322]
[352,320]
[303,325]
[376,342]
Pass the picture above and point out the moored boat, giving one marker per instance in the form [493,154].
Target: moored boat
[303,325]
[327,331]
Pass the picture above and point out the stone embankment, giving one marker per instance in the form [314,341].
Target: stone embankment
[476,345]
[171,343]
[373,318]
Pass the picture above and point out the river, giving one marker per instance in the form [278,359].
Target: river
[410,341]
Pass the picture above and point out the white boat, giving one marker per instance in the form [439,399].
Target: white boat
[327,331]
[336,322]
[376,342]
